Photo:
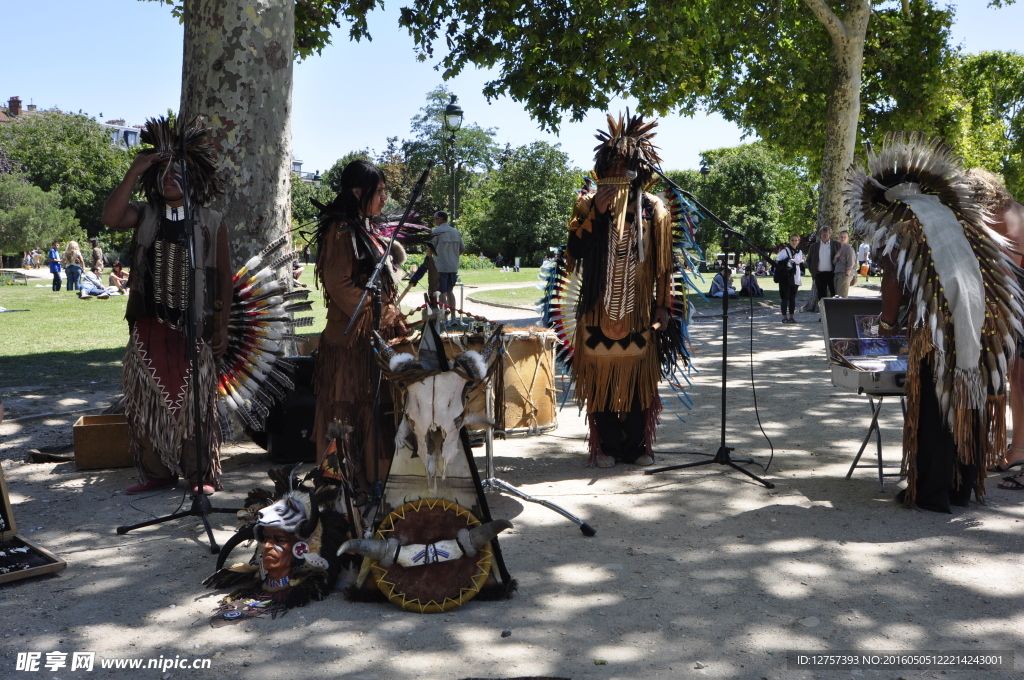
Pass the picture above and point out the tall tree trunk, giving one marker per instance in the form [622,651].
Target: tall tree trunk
[237,74]
[843,111]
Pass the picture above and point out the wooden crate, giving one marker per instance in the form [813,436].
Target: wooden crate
[42,561]
[102,442]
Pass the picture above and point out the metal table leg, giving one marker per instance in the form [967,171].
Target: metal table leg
[874,426]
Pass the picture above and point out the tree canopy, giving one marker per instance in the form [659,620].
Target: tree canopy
[31,217]
[791,71]
[474,152]
[984,113]
[69,154]
[521,208]
[755,191]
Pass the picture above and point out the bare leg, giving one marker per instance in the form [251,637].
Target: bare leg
[1016,451]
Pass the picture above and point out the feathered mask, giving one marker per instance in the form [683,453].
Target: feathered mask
[628,139]
[166,138]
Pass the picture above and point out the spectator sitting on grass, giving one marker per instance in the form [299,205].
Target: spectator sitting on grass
[92,286]
[722,283]
[748,284]
[118,278]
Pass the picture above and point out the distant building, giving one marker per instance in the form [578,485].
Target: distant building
[307,177]
[121,133]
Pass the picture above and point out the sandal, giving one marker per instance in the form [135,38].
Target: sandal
[1011,484]
[1017,463]
[1000,468]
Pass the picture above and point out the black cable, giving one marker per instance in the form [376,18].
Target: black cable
[180,503]
[753,387]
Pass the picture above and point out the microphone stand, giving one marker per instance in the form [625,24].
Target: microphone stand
[201,506]
[373,286]
[723,456]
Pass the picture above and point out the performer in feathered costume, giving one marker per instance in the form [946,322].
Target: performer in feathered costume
[349,245]
[157,375]
[618,312]
[948,281]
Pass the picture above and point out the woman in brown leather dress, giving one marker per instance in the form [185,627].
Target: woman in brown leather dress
[349,247]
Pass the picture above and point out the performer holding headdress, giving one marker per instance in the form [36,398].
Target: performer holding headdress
[157,375]
[948,281]
[349,245]
[616,315]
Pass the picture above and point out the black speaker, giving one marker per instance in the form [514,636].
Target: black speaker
[290,422]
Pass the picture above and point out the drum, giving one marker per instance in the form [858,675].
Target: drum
[527,398]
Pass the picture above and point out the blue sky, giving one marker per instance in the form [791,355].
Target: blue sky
[122,58]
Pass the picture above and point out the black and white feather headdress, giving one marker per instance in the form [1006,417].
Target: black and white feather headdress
[200,154]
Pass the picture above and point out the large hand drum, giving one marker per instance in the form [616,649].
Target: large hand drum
[527,386]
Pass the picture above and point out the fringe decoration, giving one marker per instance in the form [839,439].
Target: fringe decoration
[919,349]
[651,425]
[150,420]
[609,383]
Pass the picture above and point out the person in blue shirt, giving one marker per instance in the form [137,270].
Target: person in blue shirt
[54,258]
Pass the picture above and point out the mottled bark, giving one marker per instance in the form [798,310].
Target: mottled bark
[843,111]
[237,74]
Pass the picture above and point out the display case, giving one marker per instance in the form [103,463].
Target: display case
[19,557]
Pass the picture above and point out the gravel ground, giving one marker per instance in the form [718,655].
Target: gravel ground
[699,573]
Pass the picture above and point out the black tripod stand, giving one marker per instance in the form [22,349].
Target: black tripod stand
[200,506]
[724,455]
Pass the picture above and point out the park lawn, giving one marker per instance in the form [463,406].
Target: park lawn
[62,340]
[527,297]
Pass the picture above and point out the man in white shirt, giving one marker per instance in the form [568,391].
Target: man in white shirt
[448,246]
[820,257]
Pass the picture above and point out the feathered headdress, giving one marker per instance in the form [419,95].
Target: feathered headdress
[628,138]
[918,205]
[166,138]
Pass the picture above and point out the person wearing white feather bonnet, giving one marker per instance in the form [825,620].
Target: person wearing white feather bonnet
[950,286]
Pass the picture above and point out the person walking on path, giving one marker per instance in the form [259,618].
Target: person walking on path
[820,257]
[448,246]
[74,265]
[789,260]
[843,264]
[97,254]
[54,257]
[863,258]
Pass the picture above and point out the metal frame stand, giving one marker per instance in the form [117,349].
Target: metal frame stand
[723,455]
[877,431]
[492,483]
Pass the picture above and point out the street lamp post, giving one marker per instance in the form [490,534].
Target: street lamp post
[452,123]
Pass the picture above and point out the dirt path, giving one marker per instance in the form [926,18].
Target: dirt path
[696,567]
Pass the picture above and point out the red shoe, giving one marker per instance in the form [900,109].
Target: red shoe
[207,489]
[151,485]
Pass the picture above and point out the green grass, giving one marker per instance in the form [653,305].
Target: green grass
[64,341]
[518,297]
[60,339]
